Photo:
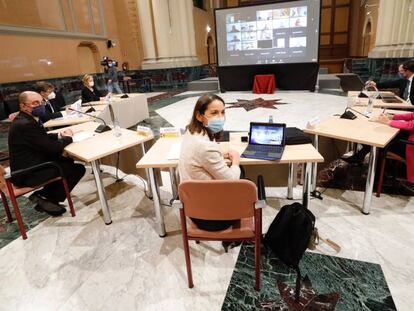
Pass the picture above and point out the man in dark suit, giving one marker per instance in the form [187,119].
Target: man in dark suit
[404,83]
[47,91]
[30,145]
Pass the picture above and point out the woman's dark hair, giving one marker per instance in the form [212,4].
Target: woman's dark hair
[408,65]
[201,106]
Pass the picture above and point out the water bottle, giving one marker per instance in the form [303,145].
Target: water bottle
[370,106]
[117,129]
[270,119]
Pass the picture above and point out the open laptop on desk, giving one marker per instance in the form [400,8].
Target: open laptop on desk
[266,141]
[389,98]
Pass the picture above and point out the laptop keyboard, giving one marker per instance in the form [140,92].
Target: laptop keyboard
[265,149]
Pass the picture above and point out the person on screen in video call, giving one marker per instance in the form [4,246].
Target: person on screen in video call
[235,39]
[234,29]
[404,83]
[30,145]
[201,157]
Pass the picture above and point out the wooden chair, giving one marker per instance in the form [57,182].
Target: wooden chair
[390,156]
[221,200]
[7,189]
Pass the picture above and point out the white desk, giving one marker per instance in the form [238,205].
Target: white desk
[127,111]
[156,157]
[359,130]
[99,146]
[379,103]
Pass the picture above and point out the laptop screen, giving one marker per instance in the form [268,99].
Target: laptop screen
[266,134]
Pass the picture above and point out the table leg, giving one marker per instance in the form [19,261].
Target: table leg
[315,165]
[290,181]
[307,185]
[147,173]
[174,187]
[157,204]
[370,181]
[101,192]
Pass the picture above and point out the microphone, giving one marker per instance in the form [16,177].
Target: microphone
[101,128]
[349,115]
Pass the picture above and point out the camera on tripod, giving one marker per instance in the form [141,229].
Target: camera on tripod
[106,59]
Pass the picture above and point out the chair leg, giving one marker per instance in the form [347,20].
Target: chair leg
[6,207]
[381,175]
[186,249]
[16,211]
[68,197]
[257,242]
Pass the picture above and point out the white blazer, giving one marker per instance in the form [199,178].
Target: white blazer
[202,159]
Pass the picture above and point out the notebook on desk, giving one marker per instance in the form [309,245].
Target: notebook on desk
[266,141]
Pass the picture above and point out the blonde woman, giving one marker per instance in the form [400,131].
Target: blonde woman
[89,91]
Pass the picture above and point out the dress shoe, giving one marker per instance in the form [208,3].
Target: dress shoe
[44,205]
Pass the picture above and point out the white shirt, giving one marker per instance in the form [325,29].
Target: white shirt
[409,84]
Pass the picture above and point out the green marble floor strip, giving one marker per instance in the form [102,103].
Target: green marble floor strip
[361,285]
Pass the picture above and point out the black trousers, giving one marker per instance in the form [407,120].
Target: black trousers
[55,191]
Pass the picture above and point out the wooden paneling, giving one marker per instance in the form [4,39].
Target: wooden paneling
[341,19]
[334,40]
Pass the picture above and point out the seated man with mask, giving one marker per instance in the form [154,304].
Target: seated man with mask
[54,102]
[52,105]
[30,145]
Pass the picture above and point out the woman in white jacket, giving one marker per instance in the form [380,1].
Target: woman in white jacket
[201,157]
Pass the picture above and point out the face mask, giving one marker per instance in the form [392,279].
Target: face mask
[52,95]
[109,65]
[215,125]
[39,111]
[401,75]
[91,84]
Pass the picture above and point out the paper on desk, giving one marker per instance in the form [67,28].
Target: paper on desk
[80,136]
[174,153]
[77,105]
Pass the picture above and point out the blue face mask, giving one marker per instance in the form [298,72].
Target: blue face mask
[39,111]
[400,75]
[216,125]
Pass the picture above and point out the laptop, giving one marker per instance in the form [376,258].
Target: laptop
[389,98]
[266,141]
[350,82]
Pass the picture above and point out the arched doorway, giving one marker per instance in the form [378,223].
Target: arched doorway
[211,52]
[366,38]
[88,56]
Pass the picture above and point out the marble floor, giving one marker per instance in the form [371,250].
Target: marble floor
[81,264]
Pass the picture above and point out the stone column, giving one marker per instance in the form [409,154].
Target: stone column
[395,35]
[146,22]
[173,37]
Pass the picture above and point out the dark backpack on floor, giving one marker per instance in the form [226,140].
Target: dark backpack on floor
[289,234]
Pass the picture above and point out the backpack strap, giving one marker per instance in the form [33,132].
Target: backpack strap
[298,280]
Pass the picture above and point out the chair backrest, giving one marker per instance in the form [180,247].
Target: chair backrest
[218,199]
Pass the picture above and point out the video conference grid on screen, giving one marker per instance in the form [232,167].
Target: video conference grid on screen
[285,32]
[266,135]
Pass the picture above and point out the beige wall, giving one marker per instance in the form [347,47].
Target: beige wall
[201,20]
[28,56]
[361,43]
